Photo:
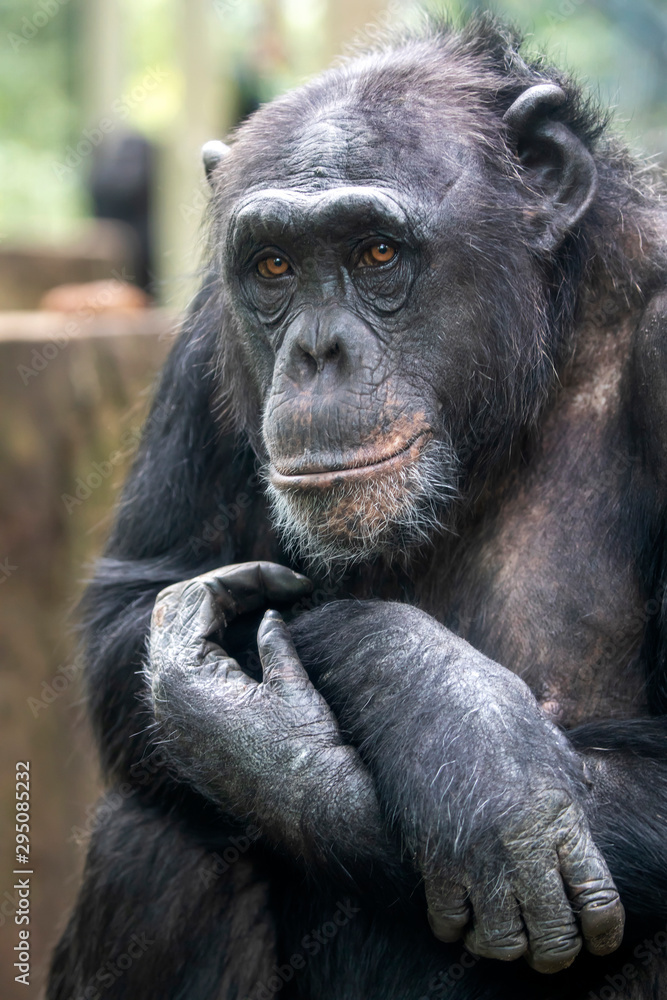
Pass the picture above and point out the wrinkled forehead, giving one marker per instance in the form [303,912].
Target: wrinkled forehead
[340,175]
[328,147]
[334,146]
[345,144]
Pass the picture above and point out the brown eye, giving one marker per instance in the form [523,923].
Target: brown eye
[379,253]
[272,267]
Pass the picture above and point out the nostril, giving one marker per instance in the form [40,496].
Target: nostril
[313,358]
[307,363]
[330,354]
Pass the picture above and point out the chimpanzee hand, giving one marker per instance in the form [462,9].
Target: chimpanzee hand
[270,750]
[487,793]
[512,867]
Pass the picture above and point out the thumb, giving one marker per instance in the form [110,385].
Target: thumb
[281,665]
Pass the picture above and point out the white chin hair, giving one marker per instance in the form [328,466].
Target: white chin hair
[356,521]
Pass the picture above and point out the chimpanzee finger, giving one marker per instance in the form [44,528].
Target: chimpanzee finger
[253,584]
[183,618]
[448,908]
[592,892]
[553,936]
[200,606]
[497,930]
[281,665]
[188,612]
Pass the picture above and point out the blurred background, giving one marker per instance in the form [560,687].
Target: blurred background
[104,105]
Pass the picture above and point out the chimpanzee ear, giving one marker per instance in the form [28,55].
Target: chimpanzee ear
[213,153]
[556,163]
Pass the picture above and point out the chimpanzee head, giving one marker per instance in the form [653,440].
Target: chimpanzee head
[392,241]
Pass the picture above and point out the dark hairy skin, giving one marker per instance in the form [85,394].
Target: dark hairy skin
[420,406]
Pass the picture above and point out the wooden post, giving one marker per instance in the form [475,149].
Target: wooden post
[73,395]
[203,115]
[103,52]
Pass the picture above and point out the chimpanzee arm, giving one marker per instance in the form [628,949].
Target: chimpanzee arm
[380,698]
[270,751]
[488,794]
[458,747]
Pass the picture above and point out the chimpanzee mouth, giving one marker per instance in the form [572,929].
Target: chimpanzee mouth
[333,518]
[318,475]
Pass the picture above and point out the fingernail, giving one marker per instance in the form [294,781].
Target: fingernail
[273,614]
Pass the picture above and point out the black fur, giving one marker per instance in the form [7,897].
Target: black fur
[220,908]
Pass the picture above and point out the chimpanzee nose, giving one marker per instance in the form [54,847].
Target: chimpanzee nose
[319,344]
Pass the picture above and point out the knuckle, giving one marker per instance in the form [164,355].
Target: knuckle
[447,917]
[169,593]
[196,588]
[217,666]
[449,908]
[554,939]
[286,673]
[444,898]
[163,611]
[554,959]
[571,823]
[175,601]
[596,894]
[161,643]
[603,899]
[503,943]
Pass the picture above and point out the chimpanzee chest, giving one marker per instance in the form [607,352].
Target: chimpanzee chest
[548,583]
[556,603]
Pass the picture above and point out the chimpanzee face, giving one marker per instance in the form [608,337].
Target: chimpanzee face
[389,307]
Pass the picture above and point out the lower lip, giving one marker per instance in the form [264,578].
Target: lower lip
[324,480]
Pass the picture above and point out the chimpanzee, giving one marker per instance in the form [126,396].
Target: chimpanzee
[427,371]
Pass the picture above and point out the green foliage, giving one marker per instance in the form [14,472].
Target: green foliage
[262,46]
[38,115]
[610,56]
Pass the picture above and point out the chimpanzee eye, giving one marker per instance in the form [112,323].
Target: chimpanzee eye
[378,253]
[273,267]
